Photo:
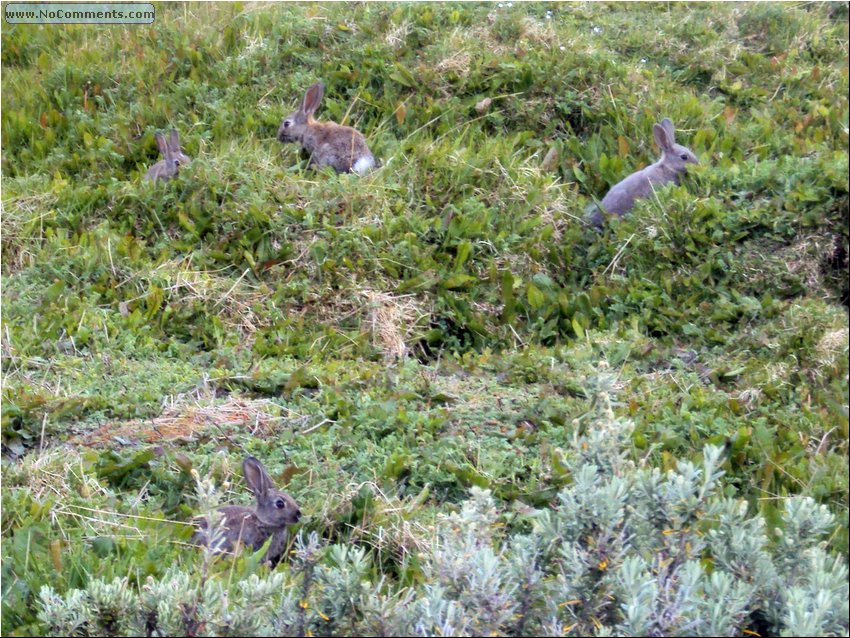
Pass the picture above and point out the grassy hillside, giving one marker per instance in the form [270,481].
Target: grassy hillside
[386,344]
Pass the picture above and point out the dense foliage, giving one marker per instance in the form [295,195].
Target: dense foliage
[444,329]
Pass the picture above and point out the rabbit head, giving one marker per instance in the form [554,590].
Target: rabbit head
[328,143]
[177,153]
[274,508]
[294,125]
[674,157]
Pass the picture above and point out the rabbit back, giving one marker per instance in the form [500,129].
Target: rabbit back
[162,170]
[621,198]
[340,147]
[241,524]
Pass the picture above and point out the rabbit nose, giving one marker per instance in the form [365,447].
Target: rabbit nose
[297,515]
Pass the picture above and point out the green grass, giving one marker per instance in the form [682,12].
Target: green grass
[255,281]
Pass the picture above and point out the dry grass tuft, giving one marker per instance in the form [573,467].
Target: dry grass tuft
[804,257]
[50,473]
[232,298]
[23,228]
[540,32]
[392,320]
[457,62]
[58,475]
[389,532]
[258,417]
[832,346]
[396,37]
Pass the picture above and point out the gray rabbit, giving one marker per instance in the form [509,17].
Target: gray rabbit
[673,163]
[174,158]
[253,526]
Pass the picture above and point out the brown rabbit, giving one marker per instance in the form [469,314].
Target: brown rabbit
[174,158]
[328,143]
[253,526]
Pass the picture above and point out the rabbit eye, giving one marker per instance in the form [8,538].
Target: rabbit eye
[684,156]
[287,124]
[280,503]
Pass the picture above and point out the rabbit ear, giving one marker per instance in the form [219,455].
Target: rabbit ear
[661,137]
[174,141]
[312,98]
[668,126]
[255,474]
[160,142]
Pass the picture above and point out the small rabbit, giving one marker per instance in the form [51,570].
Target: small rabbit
[328,143]
[673,163]
[174,158]
[253,526]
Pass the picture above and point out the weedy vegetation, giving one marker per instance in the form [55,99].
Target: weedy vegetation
[496,420]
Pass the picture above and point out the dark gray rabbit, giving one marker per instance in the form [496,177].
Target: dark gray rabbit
[174,156]
[274,512]
[673,163]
